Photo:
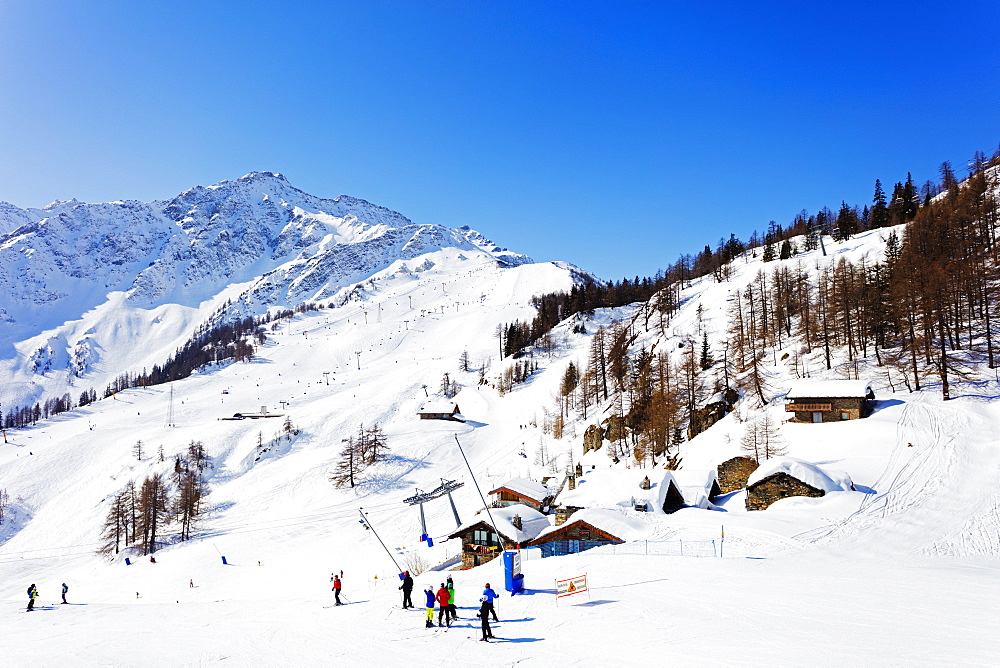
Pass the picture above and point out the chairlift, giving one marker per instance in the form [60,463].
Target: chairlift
[420,498]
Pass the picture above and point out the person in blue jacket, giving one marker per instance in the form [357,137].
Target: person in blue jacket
[431,599]
[489,595]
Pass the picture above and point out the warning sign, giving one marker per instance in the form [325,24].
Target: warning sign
[571,586]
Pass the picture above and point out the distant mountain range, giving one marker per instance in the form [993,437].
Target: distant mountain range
[258,241]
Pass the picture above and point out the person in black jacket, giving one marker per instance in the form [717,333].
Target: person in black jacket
[484,615]
[407,588]
[32,595]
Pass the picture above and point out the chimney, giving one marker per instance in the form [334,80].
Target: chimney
[579,468]
[516,521]
[571,481]
[562,514]
[645,483]
[263,410]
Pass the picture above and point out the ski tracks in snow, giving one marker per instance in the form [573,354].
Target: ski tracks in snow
[938,492]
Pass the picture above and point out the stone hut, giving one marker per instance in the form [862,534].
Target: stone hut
[784,477]
[829,400]
[480,543]
[733,473]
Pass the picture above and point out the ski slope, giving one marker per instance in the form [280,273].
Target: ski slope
[903,571]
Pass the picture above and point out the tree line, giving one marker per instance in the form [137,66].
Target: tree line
[775,243]
[211,343]
[927,308]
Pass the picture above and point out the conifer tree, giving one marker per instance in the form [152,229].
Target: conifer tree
[879,214]
[706,360]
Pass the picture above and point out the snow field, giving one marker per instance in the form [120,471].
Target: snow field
[902,571]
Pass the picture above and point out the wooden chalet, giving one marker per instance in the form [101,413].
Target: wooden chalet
[587,529]
[437,409]
[829,400]
[517,525]
[520,490]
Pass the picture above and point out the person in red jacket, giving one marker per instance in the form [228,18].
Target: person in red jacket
[336,588]
[444,600]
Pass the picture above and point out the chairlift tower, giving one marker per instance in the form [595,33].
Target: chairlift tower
[170,408]
[421,497]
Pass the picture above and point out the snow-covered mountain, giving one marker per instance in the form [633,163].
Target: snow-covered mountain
[94,290]
[901,570]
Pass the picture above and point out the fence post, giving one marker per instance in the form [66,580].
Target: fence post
[682,546]
[647,548]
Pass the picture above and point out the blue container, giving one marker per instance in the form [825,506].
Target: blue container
[513,577]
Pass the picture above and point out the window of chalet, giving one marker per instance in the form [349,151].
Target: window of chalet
[483,537]
[844,415]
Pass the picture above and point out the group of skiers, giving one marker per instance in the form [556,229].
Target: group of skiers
[445,600]
[33,594]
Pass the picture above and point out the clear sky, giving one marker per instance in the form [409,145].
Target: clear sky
[614,135]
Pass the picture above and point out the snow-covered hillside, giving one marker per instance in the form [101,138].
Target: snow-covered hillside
[900,571]
[95,290]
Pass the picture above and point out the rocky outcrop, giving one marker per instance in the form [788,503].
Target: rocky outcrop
[705,417]
[593,438]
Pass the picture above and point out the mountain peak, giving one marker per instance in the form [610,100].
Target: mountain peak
[259,176]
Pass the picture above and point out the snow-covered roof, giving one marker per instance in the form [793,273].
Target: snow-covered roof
[828,480]
[613,488]
[614,522]
[532,522]
[696,485]
[438,405]
[530,489]
[810,389]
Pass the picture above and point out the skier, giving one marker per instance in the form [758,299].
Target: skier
[32,595]
[490,595]
[336,588]
[442,598]
[407,588]
[64,590]
[191,583]
[429,593]
[484,615]
[452,610]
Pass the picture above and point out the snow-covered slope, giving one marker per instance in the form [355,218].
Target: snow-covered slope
[901,571]
[95,290]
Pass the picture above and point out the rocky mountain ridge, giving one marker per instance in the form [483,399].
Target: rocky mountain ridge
[257,239]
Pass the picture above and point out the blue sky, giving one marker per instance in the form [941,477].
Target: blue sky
[614,135]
